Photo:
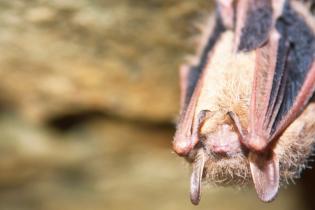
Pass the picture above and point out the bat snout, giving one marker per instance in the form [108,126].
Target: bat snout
[223,142]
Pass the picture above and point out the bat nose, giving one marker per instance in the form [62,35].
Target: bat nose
[182,148]
[224,141]
[220,150]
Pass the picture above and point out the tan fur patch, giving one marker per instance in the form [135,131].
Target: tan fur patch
[228,88]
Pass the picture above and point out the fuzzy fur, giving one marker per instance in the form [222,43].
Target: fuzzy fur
[223,90]
[228,88]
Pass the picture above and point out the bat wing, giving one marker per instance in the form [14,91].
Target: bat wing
[284,82]
[284,79]
[253,23]
[185,136]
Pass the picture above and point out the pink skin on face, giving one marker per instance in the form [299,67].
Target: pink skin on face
[224,141]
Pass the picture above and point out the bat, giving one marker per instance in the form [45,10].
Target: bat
[246,99]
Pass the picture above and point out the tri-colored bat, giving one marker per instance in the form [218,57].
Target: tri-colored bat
[246,100]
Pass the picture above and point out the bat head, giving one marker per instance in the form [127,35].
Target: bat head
[209,139]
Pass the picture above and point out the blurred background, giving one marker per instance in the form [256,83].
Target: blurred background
[88,100]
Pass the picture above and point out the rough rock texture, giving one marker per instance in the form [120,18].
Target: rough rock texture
[119,57]
[106,164]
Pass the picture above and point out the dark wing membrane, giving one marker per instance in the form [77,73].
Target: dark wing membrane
[284,78]
[191,74]
[267,89]
[253,23]
[277,93]
[300,82]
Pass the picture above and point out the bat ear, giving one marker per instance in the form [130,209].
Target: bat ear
[265,174]
[196,177]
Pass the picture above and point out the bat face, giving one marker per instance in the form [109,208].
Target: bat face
[247,117]
[219,152]
[224,159]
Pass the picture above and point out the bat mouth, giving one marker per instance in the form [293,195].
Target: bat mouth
[216,168]
[217,160]
[220,159]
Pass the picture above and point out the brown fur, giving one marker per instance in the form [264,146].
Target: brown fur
[228,88]
[225,86]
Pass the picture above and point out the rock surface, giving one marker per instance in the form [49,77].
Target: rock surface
[118,57]
[107,164]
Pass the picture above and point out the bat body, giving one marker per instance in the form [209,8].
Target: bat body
[246,108]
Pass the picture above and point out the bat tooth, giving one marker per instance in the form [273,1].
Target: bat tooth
[265,174]
[196,177]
